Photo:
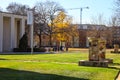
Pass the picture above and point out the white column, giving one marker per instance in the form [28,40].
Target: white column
[1,32]
[22,27]
[12,32]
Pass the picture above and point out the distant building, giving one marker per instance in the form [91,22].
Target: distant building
[12,28]
[89,30]
[116,35]
[110,34]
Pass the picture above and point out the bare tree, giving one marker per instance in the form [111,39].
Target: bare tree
[117,11]
[117,8]
[17,8]
[115,30]
[98,28]
[46,12]
[0,9]
[40,18]
[113,21]
[100,20]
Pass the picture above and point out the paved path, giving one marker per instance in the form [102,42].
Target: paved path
[118,77]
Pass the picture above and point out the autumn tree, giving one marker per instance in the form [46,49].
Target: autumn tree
[62,22]
[65,31]
[17,8]
[73,34]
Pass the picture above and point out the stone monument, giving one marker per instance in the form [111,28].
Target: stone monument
[116,49]
[97,49]
[96,53]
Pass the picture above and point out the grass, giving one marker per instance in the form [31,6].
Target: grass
[59,66]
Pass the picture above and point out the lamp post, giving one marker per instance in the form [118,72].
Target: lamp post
[30,22]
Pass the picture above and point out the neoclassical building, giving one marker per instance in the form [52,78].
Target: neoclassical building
[12,28]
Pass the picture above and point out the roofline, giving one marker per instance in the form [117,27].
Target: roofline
[90,24]
[12,13]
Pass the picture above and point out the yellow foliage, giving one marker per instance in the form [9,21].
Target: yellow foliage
[62,20]
[63,31]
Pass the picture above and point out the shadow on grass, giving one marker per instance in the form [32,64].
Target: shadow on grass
[114,66]
[118,64]
[22,53]
[3,59]
[12,74]
[117,75]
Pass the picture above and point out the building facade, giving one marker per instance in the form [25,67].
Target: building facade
[90,30]
[12,28]
[110,34]
[115,35]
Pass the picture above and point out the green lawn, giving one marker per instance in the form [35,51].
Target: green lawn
[57,66]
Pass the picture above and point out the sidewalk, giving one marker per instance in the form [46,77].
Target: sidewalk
[118,76]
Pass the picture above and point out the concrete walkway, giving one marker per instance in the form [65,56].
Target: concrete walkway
[118,76]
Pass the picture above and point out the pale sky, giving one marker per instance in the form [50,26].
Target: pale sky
[96,7]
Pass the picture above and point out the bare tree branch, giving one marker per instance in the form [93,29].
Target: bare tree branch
[17,8]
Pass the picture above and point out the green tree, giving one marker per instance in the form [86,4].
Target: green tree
[23,43]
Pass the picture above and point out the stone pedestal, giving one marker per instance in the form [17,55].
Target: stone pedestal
[109,60]
[94,63]
[96,54]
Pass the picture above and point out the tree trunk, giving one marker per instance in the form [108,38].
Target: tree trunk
[50,40]
[72,41]
[40,38]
